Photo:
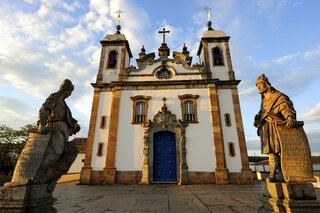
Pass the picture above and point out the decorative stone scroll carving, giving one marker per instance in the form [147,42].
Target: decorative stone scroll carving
[149,60]
[164,120]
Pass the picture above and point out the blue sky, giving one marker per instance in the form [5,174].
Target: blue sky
[43,42]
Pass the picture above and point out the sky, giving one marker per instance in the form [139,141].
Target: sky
[43,42]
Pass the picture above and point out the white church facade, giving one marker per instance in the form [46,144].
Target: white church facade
[166,121]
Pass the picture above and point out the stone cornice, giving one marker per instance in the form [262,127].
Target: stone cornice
[167,84]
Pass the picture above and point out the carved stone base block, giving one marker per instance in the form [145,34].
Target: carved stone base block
[184,176]
[145,174]
[246,177]
[109,175]
[85,176]
[31,199]
[221,176]
[288,197]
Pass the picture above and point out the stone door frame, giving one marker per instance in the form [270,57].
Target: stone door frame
[164,120]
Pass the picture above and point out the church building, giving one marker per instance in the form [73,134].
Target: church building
[166,120]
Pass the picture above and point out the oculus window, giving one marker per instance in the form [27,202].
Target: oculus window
[163,73]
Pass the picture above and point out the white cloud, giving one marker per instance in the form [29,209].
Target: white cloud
[313,53]
[84,104]
[30,1]
[248,91]
[15,113]
[73,6]
[99,6]
[313,116]
[286,58]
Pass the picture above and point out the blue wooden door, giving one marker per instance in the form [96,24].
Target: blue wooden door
[164,157]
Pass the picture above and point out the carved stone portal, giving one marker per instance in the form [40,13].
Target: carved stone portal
[164,120]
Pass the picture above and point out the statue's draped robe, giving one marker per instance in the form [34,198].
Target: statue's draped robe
[277,107]
[62,126]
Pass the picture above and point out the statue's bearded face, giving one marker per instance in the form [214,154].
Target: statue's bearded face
[67,93]
[262,87]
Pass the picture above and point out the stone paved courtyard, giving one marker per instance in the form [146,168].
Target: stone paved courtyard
[160,198]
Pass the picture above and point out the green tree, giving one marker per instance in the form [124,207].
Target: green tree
[11,144]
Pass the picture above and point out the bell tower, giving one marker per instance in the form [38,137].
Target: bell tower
[227,127]
[115,56]
[214,53]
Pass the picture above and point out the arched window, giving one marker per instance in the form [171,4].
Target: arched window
[217,56]
[100,149]
[188,111]
[112,62]
[232,152]
[163,73]
[140,112]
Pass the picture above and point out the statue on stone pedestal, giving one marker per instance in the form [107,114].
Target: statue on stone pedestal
[284,140]
[47,154]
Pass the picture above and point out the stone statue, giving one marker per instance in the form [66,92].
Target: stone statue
[275,106]
[275,119]
[284,140]
[47,154]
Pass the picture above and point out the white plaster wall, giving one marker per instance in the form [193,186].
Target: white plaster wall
[77,164]
[199,137]
[220,72]
[127,60]
[101,135]
[201,57]
[111,74]
[177,67]
[229,133]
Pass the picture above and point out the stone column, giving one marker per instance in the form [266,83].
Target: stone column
[109,171]
[221,172]
[86,171]
[246,172]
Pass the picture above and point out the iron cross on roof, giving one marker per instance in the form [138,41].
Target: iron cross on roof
[164,32]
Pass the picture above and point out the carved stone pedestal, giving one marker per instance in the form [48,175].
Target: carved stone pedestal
[288,197]
[31,199]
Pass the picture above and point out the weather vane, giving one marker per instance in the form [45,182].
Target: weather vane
[118,21]
[118,17]
[207,9]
